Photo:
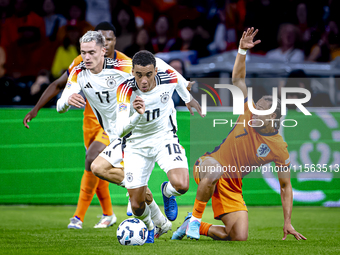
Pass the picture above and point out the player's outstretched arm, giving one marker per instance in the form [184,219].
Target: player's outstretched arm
[52,90]
[287,205]
[239,70]
[194,104]
[70,95]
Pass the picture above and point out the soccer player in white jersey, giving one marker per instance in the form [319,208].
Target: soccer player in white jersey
[98,78]
[150,132]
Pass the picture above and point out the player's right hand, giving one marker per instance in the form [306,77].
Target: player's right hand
[288,229]
[76,100]
[194,104]
[138,105]
[29,116]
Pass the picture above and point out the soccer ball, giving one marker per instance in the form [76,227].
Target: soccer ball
[132,232]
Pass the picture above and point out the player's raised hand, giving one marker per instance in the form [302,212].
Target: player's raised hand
[190,83]
[289,230]
[138,105]
[76,100]
[29,116]
[247,39]
[194,104]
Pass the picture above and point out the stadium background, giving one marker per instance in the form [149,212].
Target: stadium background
[43,165]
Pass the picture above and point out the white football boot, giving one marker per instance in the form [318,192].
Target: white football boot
[106,221]
[166,226]
[75,223]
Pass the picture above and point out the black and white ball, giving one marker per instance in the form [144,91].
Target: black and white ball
[132,232]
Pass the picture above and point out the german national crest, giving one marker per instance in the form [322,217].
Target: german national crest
[110,81]
[165,97]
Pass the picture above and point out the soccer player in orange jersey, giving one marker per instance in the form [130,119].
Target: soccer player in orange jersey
[245,146]
[95,139]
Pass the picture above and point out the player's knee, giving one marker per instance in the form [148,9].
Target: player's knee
[209,182]
[240,237]
[96,169]
[182,186]
[137,207]
[214,180]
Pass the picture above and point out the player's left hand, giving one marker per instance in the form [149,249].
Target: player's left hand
[190,83]
[194,104]
[289,230]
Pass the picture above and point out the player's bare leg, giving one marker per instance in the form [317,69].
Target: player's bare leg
[90,185]
[141,210]
[179,180]
[208,176]
[236,226]
[209,172]
[92,153]
[178,185]
[104,170]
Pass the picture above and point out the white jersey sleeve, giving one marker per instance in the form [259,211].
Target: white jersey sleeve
[182,84]
[125,123]
[72,87]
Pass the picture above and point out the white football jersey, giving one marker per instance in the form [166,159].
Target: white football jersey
[160,115]
[99,89]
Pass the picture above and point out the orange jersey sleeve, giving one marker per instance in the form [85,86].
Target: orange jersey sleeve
[75,62]
[125,63]
[245,148]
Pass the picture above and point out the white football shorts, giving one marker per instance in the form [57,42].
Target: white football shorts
[113,153]
[139,163]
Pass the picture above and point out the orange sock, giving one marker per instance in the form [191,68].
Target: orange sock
[103,194]
[204,228]
[89,183]
[199,207]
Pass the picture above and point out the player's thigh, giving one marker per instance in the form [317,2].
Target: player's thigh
[236,225]
[137,169]
[208,167]
[93,151]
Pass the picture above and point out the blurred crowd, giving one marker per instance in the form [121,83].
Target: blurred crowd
[40,38]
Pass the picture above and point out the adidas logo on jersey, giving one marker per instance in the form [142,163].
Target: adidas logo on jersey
[108,153]
[88,85]
[178,159]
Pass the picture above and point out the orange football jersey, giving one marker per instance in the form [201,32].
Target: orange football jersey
[244,147]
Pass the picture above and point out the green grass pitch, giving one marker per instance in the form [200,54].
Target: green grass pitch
[43,230]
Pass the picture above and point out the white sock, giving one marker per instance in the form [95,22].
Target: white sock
[156,215]
[146,218]
[170,191]
[194,218]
